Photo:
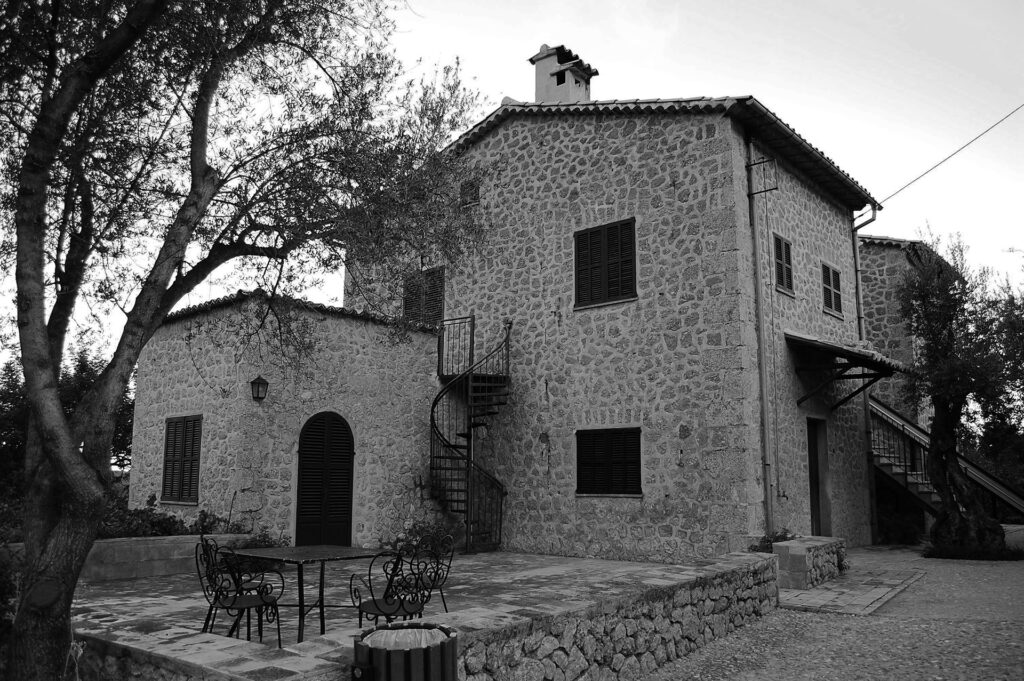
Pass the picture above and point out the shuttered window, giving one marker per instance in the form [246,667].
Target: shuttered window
[783,264]
[469,193]
[606,263]
[182,439]
[608,461]
[423,298]
[831,290]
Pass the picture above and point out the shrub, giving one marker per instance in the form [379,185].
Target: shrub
[413,531]
[764,544]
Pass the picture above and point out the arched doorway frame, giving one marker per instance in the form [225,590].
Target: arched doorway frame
[324,481]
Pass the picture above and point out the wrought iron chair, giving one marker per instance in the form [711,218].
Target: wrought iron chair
[440,548]
[394,586]
[236,588]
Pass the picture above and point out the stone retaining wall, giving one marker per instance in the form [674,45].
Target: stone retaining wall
[628,638]
[806,562]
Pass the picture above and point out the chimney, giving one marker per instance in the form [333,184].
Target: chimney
[561,75]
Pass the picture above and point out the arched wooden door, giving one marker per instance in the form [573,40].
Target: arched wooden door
[323,513]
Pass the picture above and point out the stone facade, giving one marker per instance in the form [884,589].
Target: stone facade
[197,364]
[680,361]
[884,265]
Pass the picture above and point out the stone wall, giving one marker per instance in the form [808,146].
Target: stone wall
[884,264]
[198,365]
[806,562]
[632,637]
[820,232]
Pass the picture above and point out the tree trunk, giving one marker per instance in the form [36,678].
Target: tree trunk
[55,550]
[962,524]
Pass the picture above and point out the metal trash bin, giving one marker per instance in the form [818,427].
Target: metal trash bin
[406,651]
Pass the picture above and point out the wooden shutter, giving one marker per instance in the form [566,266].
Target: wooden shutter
[826,287]
[605,263]
[423,297]
[783,263]
[837,298]
[589,260]
[182,450]
[323,511]
[608,461]
[621,260]
[433,297]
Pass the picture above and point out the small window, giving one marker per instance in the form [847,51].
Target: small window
[831,291]
[423,297]
[608,461]
[560,78]
[606,263]
[469,193]
[182,440]
[783,264]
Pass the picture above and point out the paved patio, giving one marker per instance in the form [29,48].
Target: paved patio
[161,617]
[157,620]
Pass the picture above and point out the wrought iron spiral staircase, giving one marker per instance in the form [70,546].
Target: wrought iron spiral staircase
[473,393]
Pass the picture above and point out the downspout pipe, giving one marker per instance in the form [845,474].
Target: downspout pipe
[762,350]
[865,399]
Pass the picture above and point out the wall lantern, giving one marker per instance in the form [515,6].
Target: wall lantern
[259,388]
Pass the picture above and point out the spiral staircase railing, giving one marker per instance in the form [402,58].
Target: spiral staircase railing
[466,402]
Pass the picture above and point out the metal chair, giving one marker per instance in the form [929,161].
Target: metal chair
[238,589]
[440,548]
[394,587]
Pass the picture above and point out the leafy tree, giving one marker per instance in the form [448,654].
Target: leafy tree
[967,362]
[149,143]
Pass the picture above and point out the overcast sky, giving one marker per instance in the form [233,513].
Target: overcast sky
[885,88]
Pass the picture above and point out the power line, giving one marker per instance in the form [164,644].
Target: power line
[975,139]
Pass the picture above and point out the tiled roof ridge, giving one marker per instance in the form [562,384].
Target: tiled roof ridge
[242,295]
[889,240]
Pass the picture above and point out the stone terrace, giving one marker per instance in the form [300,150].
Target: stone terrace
[528,616]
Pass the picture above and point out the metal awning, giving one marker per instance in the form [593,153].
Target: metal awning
[839,363]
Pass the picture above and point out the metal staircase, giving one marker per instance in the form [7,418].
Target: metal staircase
[900,450]
[473,393]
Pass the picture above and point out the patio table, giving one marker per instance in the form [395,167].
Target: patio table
[304,555]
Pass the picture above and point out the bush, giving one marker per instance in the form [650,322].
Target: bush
[413,532]
[764,544]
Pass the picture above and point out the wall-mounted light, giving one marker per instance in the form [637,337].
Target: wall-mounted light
[259,387]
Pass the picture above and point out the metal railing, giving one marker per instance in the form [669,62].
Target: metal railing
[898,440]
[901,442]
[470,395]
[455,345]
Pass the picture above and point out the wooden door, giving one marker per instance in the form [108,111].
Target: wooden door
[323,513]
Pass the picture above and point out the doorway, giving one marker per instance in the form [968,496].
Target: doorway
[818,478]
[323,505]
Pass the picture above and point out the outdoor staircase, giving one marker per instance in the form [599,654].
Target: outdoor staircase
[900,449]
[473,393]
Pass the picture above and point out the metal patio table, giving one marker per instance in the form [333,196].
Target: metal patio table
[304,555]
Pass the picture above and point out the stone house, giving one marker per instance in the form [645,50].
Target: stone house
[202,442]
[886,262]
[668,309]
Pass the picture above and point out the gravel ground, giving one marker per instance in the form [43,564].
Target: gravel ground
[799,645]
[962,620]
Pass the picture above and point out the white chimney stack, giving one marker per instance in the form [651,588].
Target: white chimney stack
[561,75]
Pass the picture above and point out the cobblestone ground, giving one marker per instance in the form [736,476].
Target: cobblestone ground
[962,620]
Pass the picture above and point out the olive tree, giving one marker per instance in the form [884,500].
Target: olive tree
[150,144]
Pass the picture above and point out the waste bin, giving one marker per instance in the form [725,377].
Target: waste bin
[406,651]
